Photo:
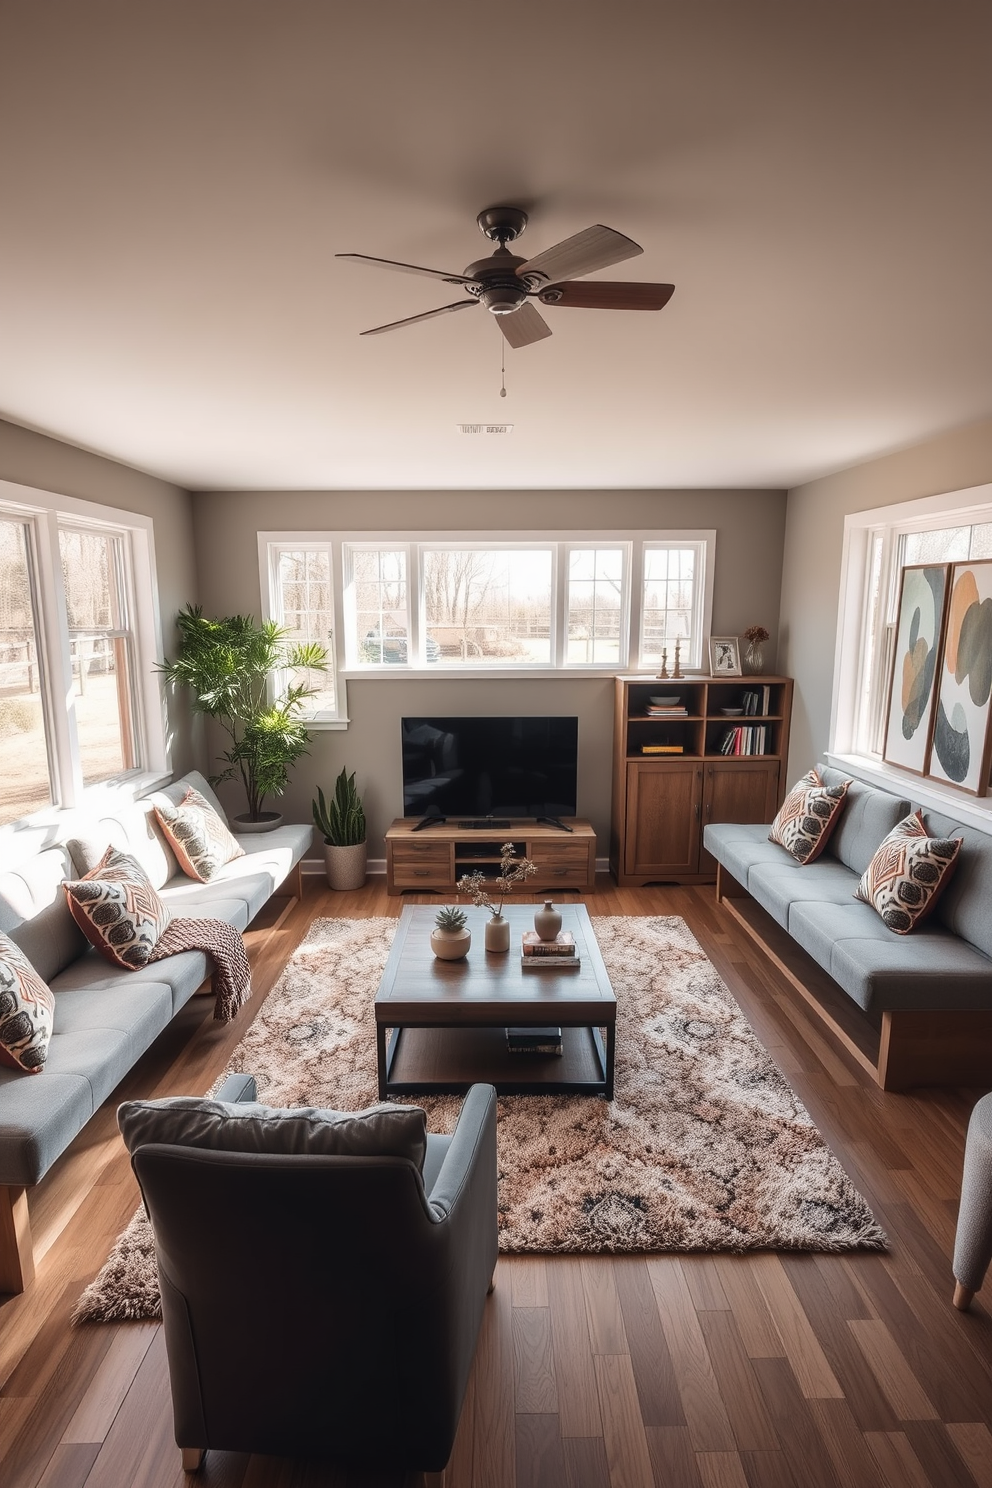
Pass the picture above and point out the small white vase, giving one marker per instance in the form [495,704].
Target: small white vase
[497,934]
[547,921]
[451,945]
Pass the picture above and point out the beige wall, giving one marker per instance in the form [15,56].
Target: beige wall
[49,465]
[749,526]
[811,572]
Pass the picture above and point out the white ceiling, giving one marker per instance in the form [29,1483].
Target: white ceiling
[175,180]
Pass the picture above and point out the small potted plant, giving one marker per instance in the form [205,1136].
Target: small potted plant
[342,822]
[511,870]
[451,937]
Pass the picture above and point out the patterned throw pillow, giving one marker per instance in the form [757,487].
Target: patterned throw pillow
[118,910]
[807,816]
[197,836]
[27,1008]
[906,875]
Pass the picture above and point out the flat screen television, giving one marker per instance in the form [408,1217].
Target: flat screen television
[480,767]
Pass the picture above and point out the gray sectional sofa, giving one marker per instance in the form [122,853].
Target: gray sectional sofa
[105,1017]
[912,1009]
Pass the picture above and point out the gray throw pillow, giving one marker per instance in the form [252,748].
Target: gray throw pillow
[185,1121]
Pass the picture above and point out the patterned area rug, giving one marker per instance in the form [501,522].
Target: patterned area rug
[706,1147]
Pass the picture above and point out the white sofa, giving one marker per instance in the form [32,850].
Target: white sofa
[105,1017]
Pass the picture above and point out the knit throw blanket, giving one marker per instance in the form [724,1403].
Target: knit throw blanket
[232,974]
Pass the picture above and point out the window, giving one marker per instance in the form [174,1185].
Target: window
[529,602]
[878,545]
[75,642]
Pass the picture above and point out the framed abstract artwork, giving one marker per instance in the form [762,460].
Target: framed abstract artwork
[912,690]
[962,739]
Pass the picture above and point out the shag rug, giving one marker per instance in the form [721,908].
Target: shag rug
[705,1146]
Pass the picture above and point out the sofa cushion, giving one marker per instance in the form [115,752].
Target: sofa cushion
[378,1131]
[929,971]
[197,835]
[905,877]
[118,910]
[777,886]
[868,816]
[26,1011]
[807,816]
[737,846]
[131,827]
[34,912]
[965,907]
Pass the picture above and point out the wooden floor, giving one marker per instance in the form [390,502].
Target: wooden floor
[684,1371]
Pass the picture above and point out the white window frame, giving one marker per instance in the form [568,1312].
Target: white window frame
[43,512]
[854,713]
[270,543]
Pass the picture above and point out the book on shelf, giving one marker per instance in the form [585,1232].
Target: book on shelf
[745,739]
[534,1040]
[662,748]
[549,963]
[756,703]
[654,712]
[563,944]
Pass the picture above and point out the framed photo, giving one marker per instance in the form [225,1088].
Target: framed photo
[962,739]
[725,656]
[912,686]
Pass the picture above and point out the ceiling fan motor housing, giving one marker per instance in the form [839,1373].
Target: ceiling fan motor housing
[497,285]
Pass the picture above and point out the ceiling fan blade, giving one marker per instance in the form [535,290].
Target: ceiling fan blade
[593,248]
[606,294]
[524,326]
[405,268]
[394,325]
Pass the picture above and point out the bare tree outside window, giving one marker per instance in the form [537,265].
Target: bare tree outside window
[307,613]
[489,607]
[24,781]
[100,651]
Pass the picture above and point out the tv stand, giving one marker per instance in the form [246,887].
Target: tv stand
[434,861]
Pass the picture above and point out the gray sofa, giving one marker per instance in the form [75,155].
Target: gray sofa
[105,1017]
[912,1009]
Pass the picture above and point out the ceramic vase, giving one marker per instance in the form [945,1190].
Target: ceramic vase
[451,945]
[547,921]
[497,934]
[754,658]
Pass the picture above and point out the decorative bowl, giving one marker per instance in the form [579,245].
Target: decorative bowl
[731,712]
[664,702]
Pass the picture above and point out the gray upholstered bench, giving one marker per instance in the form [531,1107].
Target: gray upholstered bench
[105,1016]
[912,1009]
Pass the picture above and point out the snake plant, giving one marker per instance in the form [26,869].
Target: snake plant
[342,819]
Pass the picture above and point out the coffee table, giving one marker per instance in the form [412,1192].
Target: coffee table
[448,1018]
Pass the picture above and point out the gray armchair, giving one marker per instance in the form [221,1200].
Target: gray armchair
[317,1305]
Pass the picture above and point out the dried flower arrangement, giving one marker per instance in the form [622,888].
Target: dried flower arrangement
[511,870]
[756,634]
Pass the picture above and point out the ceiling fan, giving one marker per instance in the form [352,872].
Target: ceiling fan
[508,284]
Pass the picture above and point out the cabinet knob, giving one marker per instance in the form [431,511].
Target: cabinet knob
[421,873]
[697,810]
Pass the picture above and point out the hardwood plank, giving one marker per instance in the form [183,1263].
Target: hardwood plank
[850,1460]
[103,1398]
[577,1393]
[623,1430]
[899,1465]
[816,1378]
[755,1324]
[739,1389]
[535,1387]
[528,1280]
[973,1442]
[606,1330]
[703,1280]
[770,1470]
[721,1470]
[140,1448]
[650,1359]
[70,1465]
[585,1462]
[699,1392]
[898,1383]
[936,1449]
[494,1447]
[540,1460]
[795,1428]
[674,1462]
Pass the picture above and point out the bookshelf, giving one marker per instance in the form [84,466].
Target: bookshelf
[688,752]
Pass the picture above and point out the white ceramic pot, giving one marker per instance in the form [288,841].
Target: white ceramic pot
[497,934]
[451,945]
[267,822]
[547,921]
[345,866]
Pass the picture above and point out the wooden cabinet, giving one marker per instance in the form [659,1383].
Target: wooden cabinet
[672,776]
[437,857]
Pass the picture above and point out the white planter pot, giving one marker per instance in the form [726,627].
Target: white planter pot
[267,822]
[345,866]
[451,945]
[497,934]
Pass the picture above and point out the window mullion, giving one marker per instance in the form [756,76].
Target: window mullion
[66,761]
[560,569]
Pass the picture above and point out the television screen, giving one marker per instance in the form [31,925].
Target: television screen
[478,767]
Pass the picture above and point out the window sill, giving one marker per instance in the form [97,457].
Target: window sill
[974,811]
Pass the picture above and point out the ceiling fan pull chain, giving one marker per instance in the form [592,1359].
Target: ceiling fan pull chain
[502,367]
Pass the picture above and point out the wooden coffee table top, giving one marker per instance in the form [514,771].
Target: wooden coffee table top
[486,987]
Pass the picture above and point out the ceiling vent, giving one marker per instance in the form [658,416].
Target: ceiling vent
[486,428]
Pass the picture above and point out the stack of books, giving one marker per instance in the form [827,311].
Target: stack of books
[747,739]
[667,710]
[533,1041]
[757,703]
[539,954]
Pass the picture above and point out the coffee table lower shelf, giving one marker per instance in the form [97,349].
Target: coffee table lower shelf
[448,1060]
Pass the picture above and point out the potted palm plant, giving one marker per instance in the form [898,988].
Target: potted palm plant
[228,666]
[342,822]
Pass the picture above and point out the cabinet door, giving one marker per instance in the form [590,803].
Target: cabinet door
[663,814]
[744,790]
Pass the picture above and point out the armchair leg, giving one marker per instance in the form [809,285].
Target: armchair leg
[192,1458]
[962,1297]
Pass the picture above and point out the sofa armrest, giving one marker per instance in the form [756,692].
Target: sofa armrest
[471,1157]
